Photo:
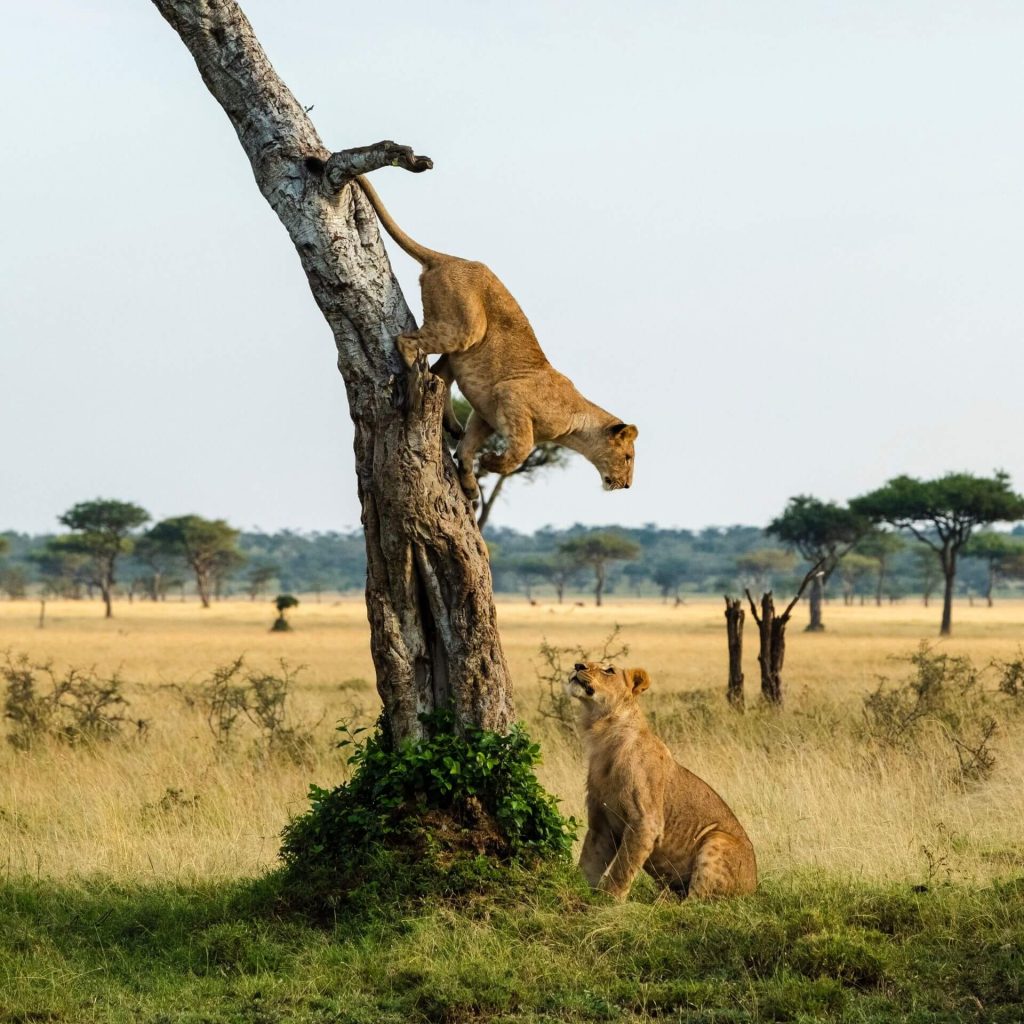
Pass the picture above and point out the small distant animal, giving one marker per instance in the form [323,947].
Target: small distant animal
[644,810]
[488,347]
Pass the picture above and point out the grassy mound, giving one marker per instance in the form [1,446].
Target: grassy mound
[441,816]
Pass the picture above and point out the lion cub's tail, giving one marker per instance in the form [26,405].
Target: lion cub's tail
[424,256]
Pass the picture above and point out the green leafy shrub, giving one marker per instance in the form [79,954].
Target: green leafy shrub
[436,813]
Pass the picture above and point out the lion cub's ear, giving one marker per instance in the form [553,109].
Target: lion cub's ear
[624,431]
[638,679]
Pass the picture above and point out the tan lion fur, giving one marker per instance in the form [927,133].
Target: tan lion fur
[488,347]
[644,810]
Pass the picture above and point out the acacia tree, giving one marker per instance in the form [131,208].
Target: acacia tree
[927,571]
[62,566]
[668,576]
[258,577]
[208,546]
[822,532]
[597,550]
[433,627]
[563,570]
[879,546]
[1003,556]
[853,570]
[101,531]
[163,560]
[943,514]
[530,570]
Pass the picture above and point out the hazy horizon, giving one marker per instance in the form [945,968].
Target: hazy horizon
[784,239]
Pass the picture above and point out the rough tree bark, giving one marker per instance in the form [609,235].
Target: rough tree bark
[772,638]
[734,616]
[429,599]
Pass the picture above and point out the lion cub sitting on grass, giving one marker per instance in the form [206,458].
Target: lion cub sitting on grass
[644,810]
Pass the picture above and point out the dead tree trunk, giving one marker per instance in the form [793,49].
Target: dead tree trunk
[772,639]
[734,616]
[429,599]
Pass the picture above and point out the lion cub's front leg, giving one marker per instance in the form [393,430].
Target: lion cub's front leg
[597,853]
[443,369]
[638,842]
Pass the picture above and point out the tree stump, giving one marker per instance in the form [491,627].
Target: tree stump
[734,616]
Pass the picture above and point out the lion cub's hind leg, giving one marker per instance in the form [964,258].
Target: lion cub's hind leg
[722,867]
[477,431]
[454,318]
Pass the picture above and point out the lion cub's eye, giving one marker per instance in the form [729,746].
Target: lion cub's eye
[608,671]
[629,458]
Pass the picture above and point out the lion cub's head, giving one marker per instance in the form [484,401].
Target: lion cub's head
[614,458]
[604,688]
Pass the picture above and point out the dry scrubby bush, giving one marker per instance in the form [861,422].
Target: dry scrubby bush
[554,704]
[76,706]
[946,693]
[236,694]
[1011,676]
[80,706]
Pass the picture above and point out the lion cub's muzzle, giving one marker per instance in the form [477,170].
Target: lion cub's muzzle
[581,681]
[613,484]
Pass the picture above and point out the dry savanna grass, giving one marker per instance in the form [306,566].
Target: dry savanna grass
[814,789]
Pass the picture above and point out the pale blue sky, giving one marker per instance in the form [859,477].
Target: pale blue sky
[784,238]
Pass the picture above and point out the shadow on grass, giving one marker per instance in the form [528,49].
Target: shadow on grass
[540,949]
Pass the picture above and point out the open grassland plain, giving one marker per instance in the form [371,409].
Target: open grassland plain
[890,835]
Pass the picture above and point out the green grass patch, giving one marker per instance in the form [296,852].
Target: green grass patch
[543,948]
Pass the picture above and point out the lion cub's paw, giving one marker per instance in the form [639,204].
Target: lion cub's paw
[470,488]
[490,462]
[619,895]
[408,350]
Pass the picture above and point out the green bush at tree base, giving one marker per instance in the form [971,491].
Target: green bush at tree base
[435,816]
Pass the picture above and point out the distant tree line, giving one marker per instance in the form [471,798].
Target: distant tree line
[910,537]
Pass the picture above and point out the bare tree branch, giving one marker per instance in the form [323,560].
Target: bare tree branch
[342,167]
[753,607]
[814,570]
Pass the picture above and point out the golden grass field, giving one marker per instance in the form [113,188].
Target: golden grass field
[814,793]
